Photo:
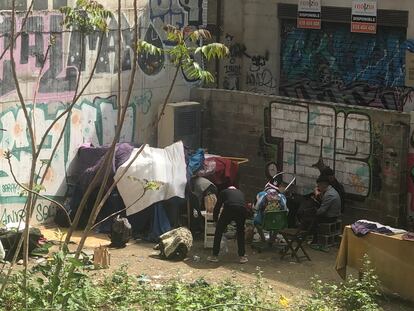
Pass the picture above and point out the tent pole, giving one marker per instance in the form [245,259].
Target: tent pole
[188,213]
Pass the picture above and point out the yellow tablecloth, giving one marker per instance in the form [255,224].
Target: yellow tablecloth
[391,256]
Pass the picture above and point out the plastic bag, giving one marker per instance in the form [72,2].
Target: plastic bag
[224,249]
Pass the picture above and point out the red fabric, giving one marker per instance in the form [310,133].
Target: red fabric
[225,174]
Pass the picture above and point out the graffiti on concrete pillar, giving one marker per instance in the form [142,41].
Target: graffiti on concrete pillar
[232,65]
[259,78]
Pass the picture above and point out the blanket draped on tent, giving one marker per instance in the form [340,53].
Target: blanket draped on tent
[166,166]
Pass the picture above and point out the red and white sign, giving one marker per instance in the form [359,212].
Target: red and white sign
[309,14]
[364,16]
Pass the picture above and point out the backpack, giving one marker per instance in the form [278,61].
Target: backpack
[121,232]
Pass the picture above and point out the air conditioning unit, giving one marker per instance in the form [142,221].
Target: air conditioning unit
[181,121]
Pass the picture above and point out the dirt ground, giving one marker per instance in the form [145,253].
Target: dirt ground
[286,277]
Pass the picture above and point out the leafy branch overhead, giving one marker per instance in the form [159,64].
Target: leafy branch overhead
[182,53]
[145,47]
[186,44]
[86,16]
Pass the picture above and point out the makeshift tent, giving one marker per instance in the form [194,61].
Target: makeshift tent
[165,166]
[83,169]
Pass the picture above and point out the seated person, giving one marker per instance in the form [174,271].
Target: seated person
[330,208]
[327,171]
[270,199]
[306,213]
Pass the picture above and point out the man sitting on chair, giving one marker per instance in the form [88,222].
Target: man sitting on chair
[330,208]
[327,171]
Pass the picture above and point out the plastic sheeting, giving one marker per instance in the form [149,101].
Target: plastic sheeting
[166,166]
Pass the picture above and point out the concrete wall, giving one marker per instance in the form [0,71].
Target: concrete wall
[93,119]
[328,65]
[366,147]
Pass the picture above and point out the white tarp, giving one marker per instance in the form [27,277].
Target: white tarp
[166,166]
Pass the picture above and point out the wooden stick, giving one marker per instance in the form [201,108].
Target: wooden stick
[238,160]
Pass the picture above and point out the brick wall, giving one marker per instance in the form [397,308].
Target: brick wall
[366,147]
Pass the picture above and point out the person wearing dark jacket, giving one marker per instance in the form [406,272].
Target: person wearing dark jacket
[330,208]
[328,172]
[232,202]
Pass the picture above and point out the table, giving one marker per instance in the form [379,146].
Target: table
[391,256]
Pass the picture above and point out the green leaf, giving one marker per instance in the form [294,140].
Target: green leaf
[173,34]
[75,262]
[87,16]
[213,50]
[200,34]
[152,185]
[149,48]
[195,71]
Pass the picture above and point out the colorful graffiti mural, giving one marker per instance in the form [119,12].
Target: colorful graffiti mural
[43,212]
[312,136]
[339,66]
[178,13]
[93,118]
[58,78]
[37,4]
[90,122]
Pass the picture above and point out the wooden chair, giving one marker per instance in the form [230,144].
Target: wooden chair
[294,239]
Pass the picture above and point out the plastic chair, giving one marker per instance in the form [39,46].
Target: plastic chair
[273,222]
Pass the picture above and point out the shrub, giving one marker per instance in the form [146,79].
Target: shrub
[351,295]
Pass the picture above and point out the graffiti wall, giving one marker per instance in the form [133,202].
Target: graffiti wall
[367,148]
[314,136]
[257,78]
[338,66]
[48,72]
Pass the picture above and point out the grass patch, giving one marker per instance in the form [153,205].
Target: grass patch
[74,289]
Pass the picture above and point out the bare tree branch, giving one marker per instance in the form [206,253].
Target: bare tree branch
[36,193]
[167,97]
[69,108]
[96,209]
[21,29]
[119,46]
[115,183]
[31,134]
[118,212]
[36,91]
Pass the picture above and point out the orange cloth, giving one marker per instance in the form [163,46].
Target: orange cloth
[391,257]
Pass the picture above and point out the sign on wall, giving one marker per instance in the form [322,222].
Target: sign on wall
[364,16]
[309,14]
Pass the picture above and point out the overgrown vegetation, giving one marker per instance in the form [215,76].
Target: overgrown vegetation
[351,295]
[88,17]
[78,290]
[123,291]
